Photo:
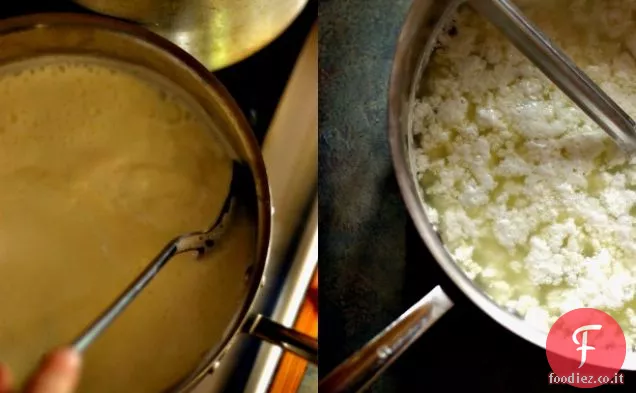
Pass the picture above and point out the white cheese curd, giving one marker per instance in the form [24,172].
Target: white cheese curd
[530,196]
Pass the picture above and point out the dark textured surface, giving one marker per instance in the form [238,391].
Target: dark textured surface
[362,219]
[373,265]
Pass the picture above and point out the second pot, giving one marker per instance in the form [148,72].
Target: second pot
[218,33]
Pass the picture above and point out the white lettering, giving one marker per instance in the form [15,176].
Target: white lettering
[584,347]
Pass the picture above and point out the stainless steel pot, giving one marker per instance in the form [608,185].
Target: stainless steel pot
[418,37]
[218,33]
[54,34]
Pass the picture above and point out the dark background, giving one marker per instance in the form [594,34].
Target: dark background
[373,265]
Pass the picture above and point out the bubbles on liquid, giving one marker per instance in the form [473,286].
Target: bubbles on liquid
[77,78]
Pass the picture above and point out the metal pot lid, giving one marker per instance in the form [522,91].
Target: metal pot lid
[218,33]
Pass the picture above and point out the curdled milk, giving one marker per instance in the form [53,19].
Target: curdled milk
[99,169]
[533,200]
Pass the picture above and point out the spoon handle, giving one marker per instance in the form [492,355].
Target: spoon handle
[559,68]
[107,317]
[360,370]
[197,241]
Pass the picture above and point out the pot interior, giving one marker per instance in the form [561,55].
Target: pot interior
[114,142]
[417,77]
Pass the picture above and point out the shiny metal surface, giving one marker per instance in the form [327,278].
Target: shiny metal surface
[425,20]
[284,337]
[290,152]
[290,148]
[216,32]
[557,66]
[291,299]
[361,369]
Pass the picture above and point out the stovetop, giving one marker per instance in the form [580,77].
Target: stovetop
[373,262]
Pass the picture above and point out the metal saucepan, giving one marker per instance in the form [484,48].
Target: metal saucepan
[424,22]
[218,33]
[50,34]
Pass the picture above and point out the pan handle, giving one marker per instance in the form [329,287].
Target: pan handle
[362,368]
[286,338]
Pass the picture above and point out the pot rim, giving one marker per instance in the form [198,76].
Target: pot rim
[215,89]
[402,90]
[159,25]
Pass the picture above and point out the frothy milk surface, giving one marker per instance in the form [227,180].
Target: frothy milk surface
[99,169]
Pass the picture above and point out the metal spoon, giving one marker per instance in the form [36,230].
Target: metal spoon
[196,241]
[559,68]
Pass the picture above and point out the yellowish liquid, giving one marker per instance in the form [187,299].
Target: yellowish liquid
[99,169]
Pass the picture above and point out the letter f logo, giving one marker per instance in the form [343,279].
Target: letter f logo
[584,347]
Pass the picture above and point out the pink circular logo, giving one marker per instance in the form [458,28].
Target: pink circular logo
[585,348]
